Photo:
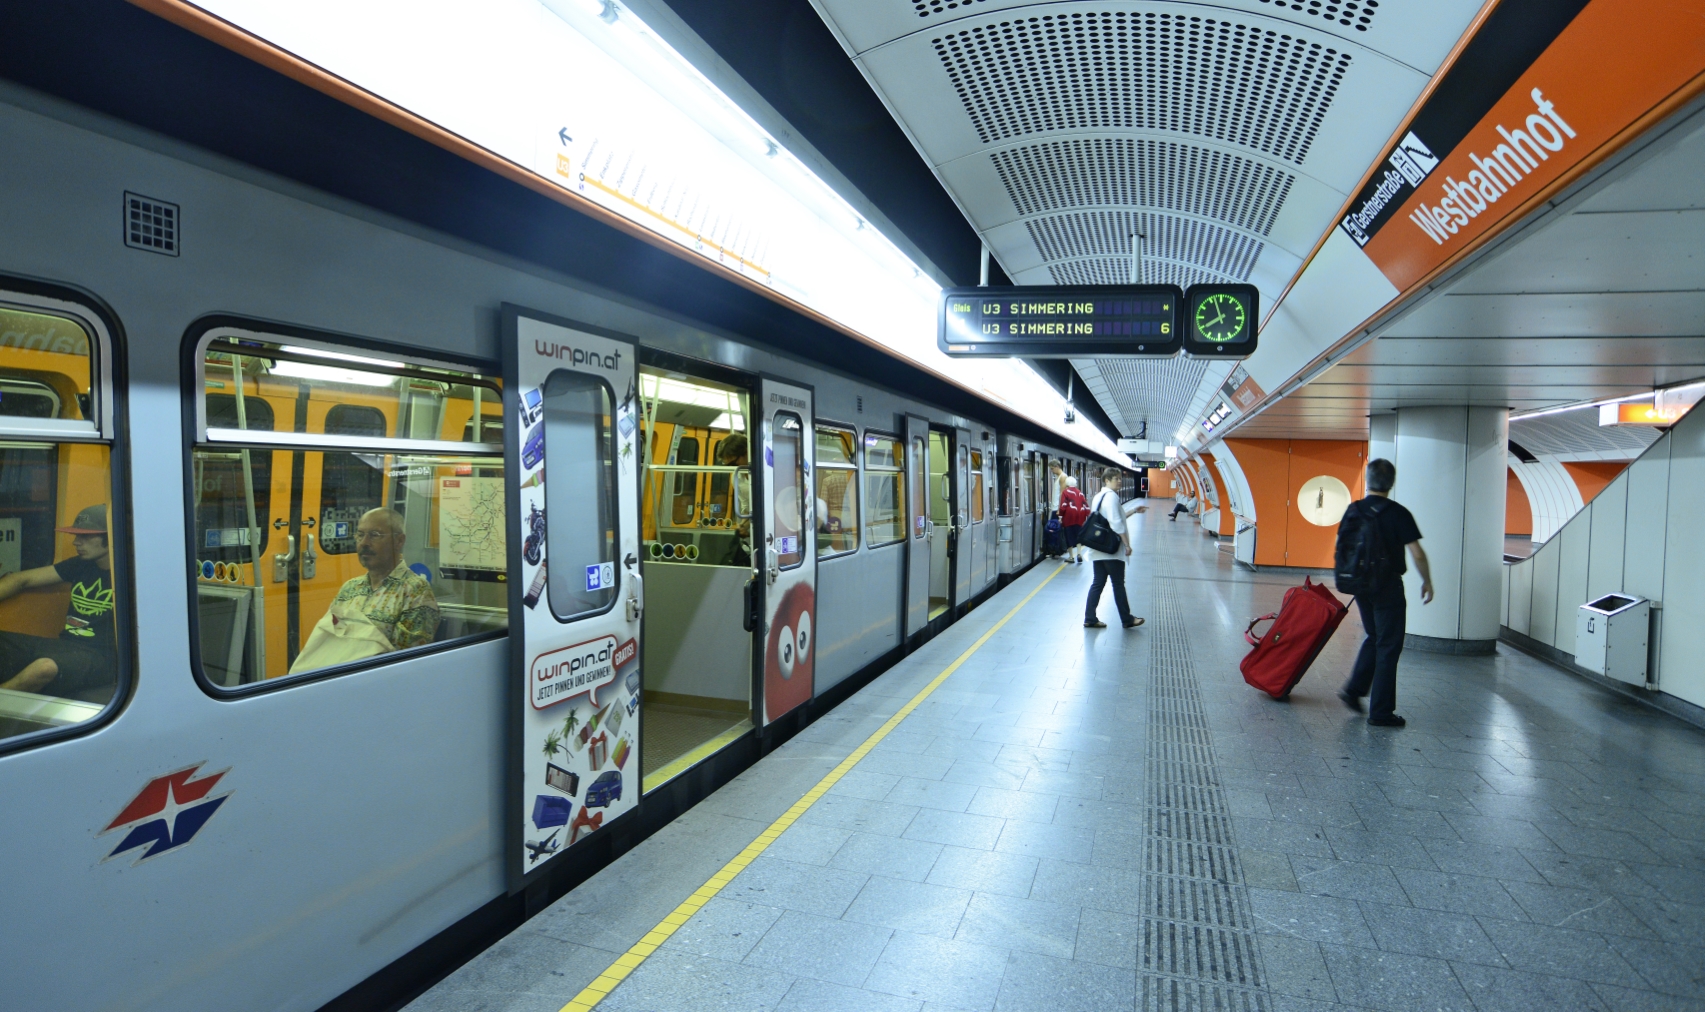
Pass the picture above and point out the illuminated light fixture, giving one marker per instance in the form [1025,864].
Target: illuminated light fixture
[1172,452]
[584,95]
[1664,393]
[331,374]
[296,349]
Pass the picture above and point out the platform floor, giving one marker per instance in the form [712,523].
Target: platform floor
[1094,820]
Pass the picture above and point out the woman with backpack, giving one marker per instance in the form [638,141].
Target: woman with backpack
[1074,510]
[1108,542]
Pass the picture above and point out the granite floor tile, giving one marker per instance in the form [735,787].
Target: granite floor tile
[1494,989]
[1434,933]
[984,871]
[1020,924]
[823,948]
[1313,918]
[1581,955]
[956,828]
[724,929]
[940,972]
[1107,938]
[807,995]
[771,882]
[1353,880]
[915,907]
[1394,980]
[1062,843]
[893,857]
[1039,983]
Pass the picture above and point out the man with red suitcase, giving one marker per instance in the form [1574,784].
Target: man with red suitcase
[1372,537]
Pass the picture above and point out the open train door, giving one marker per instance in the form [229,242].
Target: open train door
[922,529]
[966,558]
[789,556]
[575,598]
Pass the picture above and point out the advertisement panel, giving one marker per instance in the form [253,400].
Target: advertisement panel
[575,596]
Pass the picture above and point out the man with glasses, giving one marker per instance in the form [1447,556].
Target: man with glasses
[396,599]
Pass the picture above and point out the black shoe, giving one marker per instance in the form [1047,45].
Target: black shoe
[1094,623]
[1351,701]
[1132,623]
[1392,721]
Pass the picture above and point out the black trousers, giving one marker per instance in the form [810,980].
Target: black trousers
[1105,570]
[1375,674]
[1178,508]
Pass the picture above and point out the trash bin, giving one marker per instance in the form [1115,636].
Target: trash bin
[1610,637]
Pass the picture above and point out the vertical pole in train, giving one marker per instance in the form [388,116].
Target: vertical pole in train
[983,277]
[254,531]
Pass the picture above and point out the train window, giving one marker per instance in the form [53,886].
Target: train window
[1028,490]
[696,492]
[61,652]
[920,489]
[884,488]
[976,486]
[787,442]
[837,491]
[342,510]
[580,445]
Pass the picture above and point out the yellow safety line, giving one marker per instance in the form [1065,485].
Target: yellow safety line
[629,961]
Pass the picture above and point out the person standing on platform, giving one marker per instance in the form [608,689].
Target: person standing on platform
[1074,510]
[1386,529]
[1110,566]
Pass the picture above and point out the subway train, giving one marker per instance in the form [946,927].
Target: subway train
[232,405]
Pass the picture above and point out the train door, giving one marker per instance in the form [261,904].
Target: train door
[696,529]
[976,556]
[944,532]
[921,529]
[967,558]
[576,599]
[790,555]
[991,510]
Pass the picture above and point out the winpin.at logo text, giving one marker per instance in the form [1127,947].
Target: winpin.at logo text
[167,813]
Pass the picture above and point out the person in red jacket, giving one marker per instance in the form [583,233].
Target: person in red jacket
[1074,511]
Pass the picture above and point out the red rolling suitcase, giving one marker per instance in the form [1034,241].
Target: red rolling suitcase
[1304,622]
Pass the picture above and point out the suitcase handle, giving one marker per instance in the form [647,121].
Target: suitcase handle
[1249,633]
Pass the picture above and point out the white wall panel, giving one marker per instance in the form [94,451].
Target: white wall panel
[1543,621]
[1684,554]
[1648,520]
[1573,544]
[1521,598]
[1504,597]
[1609,532]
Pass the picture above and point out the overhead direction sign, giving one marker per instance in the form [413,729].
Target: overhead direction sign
[1038,321]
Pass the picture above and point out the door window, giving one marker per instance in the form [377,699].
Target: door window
[787,441]
[837,491]
[580,446]
[885,489]
[920,488]
[976,486]
[322,538]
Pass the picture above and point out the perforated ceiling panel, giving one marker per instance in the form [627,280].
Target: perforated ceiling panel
[1211,78]
[1219,252]
[1578,432]
[1241,192]
[1062,127]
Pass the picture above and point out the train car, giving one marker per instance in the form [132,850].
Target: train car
[218,438]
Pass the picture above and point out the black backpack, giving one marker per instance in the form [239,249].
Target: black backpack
[1360,564]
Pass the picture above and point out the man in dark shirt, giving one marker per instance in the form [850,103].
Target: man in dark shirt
[1384,612]
[81,663]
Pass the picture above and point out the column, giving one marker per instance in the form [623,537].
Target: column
[1450,474]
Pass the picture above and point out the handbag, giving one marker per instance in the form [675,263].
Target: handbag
[1098,534]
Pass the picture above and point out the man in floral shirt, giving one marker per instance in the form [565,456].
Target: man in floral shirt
[394,597]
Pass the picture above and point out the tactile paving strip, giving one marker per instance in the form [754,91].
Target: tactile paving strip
[1197,948]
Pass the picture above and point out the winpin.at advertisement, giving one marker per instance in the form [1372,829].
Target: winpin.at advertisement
[575,598]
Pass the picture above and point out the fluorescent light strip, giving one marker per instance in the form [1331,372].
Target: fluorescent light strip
[1649,395]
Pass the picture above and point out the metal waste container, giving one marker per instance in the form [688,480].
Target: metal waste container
[1610,637]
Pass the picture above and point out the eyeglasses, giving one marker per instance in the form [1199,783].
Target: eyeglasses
[361,536]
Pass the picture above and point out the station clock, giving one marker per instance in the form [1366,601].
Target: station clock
[1221,321]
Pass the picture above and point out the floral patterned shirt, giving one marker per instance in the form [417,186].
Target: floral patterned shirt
[402,607]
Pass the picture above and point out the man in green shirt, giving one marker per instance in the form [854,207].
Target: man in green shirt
[396,599]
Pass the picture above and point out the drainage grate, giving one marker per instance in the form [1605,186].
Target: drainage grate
[1119,70]
[1197,947]
[1126,171]
[150,224]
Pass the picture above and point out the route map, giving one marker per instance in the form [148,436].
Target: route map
[471,523]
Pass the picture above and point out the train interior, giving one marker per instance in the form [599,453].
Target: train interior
[288,528]
[697,520]
[46,486]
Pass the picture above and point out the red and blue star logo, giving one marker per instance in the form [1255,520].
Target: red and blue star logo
[167,813]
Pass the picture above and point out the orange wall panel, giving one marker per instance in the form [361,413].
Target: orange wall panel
[1591,476]
[1306,544]
[1518,511]
[1266,466]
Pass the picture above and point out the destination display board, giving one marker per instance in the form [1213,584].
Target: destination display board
[1039,321]
[1221,321]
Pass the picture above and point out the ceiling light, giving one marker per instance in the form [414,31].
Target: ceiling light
[296,349]
[331,374]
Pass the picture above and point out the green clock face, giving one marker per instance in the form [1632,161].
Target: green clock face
[1220,318]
